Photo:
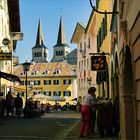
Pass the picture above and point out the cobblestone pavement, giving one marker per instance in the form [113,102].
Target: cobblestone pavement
[57,125]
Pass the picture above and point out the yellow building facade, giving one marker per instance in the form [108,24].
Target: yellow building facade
[54,79]
[103,36]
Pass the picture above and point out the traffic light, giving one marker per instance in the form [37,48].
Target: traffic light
[98,63]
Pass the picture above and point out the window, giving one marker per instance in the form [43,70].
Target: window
[48,93]
[67,82]
[67,93]
[22,82]
[56,93]
[56,82]
[89,42]
[62,53]
[80,47]
[28,82]
[57,71]
[37,82]
[46,72]
[35,93]
[34,72]
[47,82]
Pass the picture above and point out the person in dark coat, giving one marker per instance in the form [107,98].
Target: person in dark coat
[9,103]
[18,103]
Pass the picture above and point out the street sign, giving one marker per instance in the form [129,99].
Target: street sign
[5,56]
[98,63]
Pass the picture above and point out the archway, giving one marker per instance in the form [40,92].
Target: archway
[127,97]
[116,76]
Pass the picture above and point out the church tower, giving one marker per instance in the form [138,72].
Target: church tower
[40,51]
[61,49]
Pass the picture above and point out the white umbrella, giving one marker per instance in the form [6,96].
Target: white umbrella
[56,98]
[40,96]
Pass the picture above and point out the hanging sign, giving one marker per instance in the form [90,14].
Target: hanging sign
[98,63]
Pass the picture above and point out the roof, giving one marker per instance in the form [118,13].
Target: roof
[61,39]
[72,57]
[91,21]
[79,29]
[39,69]
[39,37]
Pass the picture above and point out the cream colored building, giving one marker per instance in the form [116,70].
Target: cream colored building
[84,37]
[9,35]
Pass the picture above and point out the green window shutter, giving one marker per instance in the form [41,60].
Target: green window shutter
[105,24]
[99,37]
[104,27]
[102,32]
[97,3]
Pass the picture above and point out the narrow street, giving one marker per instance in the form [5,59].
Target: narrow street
[54,125]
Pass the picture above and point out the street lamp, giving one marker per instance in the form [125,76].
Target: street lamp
[26,67]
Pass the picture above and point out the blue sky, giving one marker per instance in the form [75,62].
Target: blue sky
[49,11]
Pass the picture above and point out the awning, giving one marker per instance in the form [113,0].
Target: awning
[9,77]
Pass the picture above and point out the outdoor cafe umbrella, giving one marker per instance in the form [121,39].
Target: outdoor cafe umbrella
[56,98]
[40,96]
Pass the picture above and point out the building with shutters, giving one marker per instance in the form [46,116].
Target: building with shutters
[10,33]
[54,79]
[84,38]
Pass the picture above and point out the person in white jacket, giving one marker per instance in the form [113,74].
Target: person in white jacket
[88,103]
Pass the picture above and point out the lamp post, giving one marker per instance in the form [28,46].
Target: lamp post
[26,67]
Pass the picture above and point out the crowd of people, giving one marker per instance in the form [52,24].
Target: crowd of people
[13,106]
[101,113]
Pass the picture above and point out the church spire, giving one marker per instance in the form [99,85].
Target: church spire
[39,38]
[61,39]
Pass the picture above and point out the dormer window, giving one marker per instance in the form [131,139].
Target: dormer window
[34,72]
[57,71]
[46,72]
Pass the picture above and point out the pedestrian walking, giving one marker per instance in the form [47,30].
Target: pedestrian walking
[9,104]
[88,102]
[18,104]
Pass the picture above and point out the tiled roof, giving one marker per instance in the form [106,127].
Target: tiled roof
[53,68]
[72,57]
